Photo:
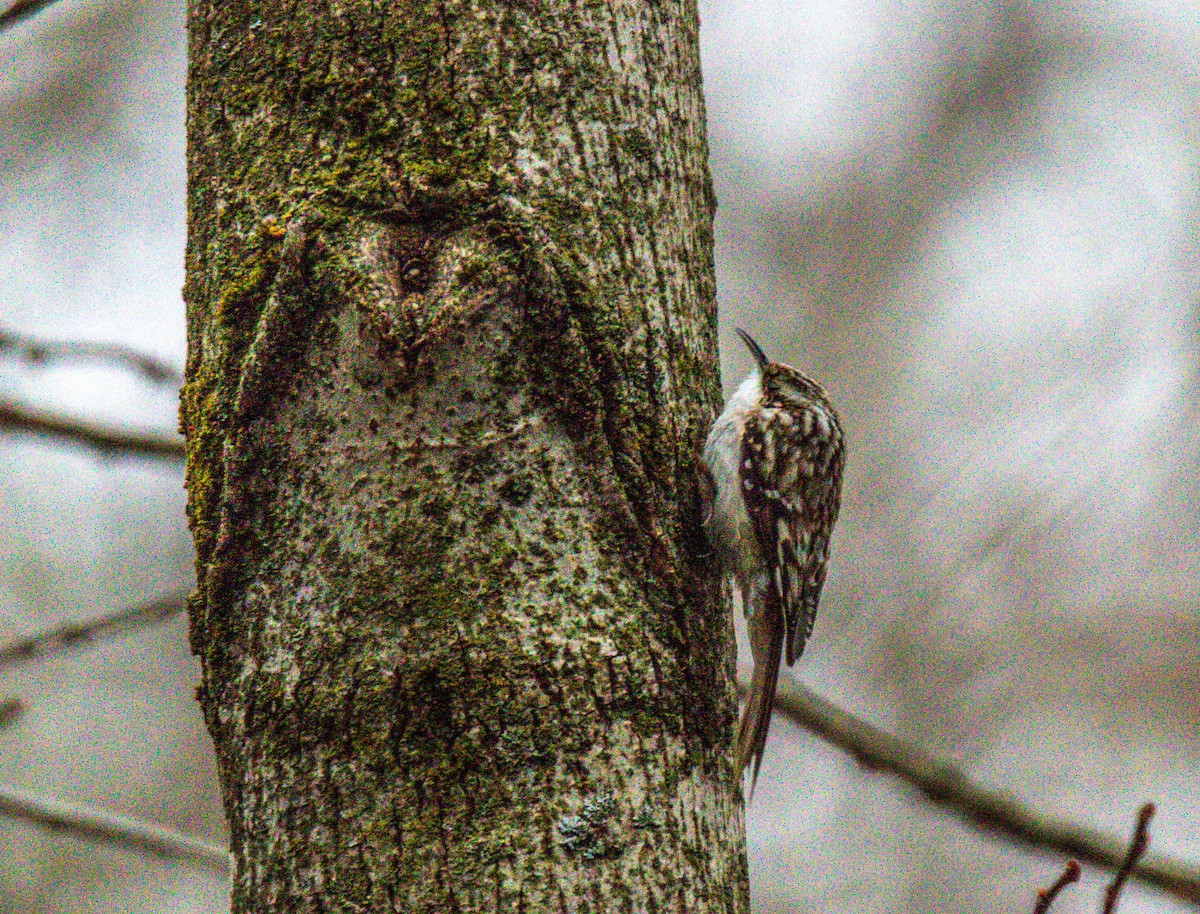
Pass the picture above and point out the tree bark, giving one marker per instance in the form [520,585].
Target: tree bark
[451,361]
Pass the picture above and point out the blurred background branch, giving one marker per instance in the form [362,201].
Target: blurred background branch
[993,810]
[79,634]
[10,711]
[20,11]
[97,825]
[109,441]
[40,352]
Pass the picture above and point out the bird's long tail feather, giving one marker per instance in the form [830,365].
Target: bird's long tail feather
[766,637]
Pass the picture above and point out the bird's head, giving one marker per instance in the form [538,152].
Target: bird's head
[782,383]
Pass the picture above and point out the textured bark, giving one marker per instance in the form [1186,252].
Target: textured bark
[452,356]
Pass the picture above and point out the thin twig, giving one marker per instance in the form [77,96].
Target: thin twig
[103,439]
[989,810]
[39,352]
[1137,849]
[97,825]
[20,11]
[1045,897]
[79,634]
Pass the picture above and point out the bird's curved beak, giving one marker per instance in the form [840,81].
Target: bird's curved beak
[759,355]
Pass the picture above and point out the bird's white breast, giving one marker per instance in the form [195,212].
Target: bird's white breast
[728,525]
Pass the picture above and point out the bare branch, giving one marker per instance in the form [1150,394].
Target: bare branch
[990,810]
[39,352]
[1137,849]
[79,634]
[97,825]
[106,440]
[20,11]
[1046,896]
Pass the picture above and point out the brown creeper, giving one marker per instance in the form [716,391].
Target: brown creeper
[776,455]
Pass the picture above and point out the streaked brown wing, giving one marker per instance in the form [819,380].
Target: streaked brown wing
[758,481]
[792,491]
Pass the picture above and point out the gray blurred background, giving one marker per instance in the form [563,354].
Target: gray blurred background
[975,223]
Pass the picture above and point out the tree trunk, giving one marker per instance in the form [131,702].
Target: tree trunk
[451,360]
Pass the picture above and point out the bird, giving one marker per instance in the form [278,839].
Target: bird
[776,455]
